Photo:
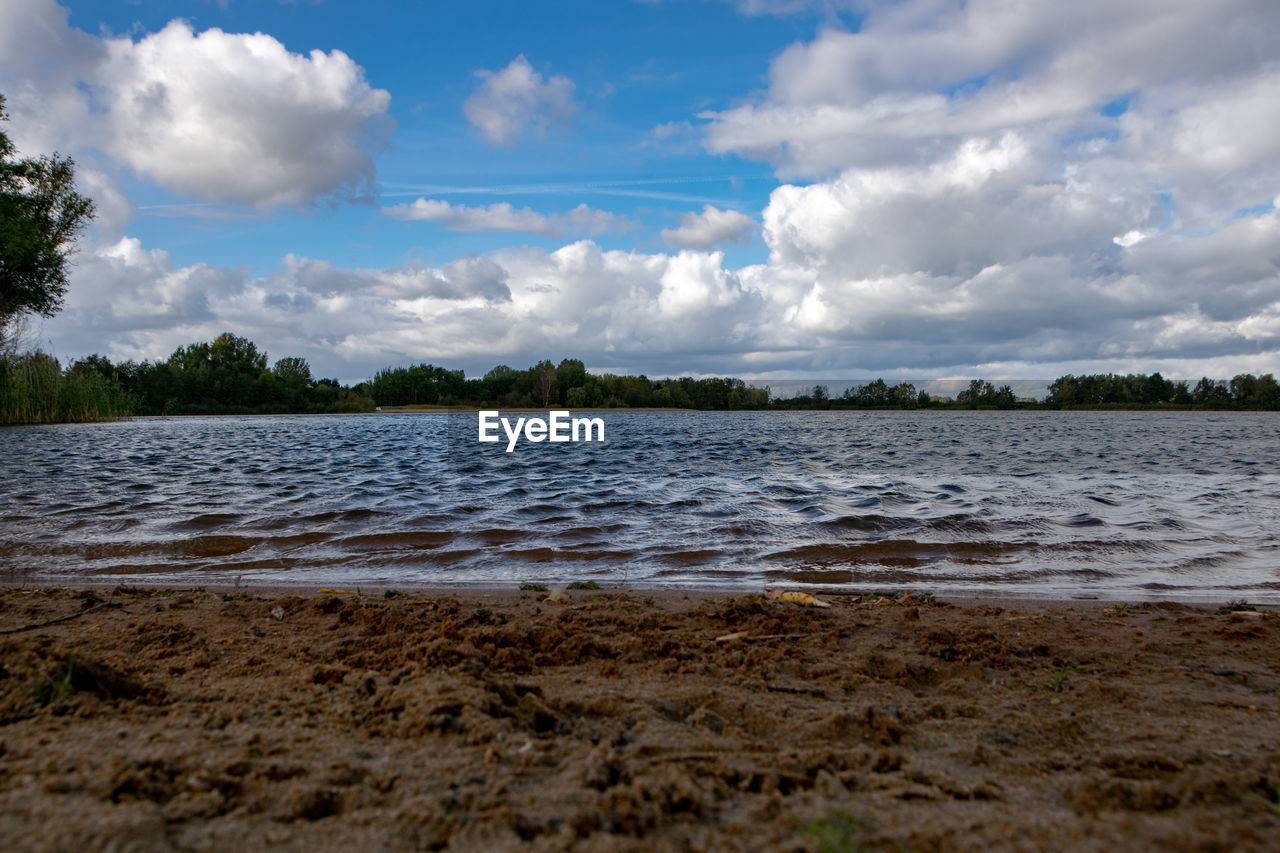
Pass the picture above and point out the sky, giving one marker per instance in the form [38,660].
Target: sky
[756,188]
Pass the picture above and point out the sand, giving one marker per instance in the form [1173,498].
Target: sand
[614,720]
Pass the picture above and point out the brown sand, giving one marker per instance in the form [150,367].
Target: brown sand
[619,721]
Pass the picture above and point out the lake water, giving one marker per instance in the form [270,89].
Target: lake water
[1113,504]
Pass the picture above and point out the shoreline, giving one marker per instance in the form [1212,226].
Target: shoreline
[430,410]
[163,718]
[665,592]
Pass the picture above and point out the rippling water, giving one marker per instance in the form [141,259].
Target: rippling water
[1114,505]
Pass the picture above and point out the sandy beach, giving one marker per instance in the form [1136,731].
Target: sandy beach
[158,719]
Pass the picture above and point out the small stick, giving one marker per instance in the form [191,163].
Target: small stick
[35,625]
[803,691]
[746,637]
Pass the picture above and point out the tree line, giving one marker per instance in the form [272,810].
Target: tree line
[226,376]
[878,394]
[1136,390]
[231,375]
[568,384]
[545,384]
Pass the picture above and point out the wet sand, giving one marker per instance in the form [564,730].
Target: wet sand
[201,720]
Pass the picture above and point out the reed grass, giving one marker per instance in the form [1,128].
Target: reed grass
[34,389]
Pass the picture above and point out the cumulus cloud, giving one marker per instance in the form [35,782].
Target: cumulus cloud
[709,228]
[503,217]
[508,103]
[214,116]
[988,203]
[238,118]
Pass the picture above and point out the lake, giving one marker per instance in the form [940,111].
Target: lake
[1115,505]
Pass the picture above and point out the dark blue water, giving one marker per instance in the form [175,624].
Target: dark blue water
[1113,505]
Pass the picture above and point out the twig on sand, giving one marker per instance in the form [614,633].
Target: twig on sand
[747,637]
[34,625]
[803,691]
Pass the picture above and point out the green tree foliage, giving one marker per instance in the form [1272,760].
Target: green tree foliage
[874,395]
[984,395]
[229,375]
[547,385]
[1245,391]
[1113,389]
[41,215]
[417,385]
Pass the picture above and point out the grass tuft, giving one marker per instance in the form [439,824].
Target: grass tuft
[1235,606]
[1058,680]
[53,687]
[835,832]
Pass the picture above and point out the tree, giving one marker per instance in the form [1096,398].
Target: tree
[570,374]
[905,394]
[293,371]
[1003,397]
[41,215]
[1209,392]
[235,354]
[546,391]
[978,393]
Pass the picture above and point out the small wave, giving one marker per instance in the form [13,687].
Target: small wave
[397,539]
[499,535]
[907,552]
[208,520]
[869,523]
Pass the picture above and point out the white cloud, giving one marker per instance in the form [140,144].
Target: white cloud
[503,217]
[123,292]
[238,118]
[1130,238]
[709,228]
[214,116]
[511,101]
[988,203]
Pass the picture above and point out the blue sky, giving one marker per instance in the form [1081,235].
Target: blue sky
[770,188]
